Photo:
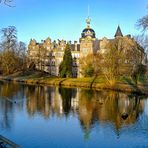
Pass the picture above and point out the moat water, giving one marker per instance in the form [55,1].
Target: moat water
[52,117]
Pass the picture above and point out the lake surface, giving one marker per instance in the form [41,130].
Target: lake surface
[52,117]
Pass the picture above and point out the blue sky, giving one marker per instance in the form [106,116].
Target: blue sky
[65,19]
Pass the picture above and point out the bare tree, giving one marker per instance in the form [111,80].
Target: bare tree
[143,22]
[9,38]
[12,53]
[119,59]
[123,55]
[91,65]
[21,49]
[113,61]
[143,41]
[21,53]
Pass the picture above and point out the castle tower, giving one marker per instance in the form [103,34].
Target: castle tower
[87,42]
[87,39]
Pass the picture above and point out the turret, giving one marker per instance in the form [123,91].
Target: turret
[118,32]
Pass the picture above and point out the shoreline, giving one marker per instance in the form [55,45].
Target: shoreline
[90,83]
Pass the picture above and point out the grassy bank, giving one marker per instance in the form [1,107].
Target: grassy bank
[123,84]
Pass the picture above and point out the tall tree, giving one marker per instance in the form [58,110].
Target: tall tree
[143,22]
[122,56]
[12,56]
[90,65]
[21,53]
[113,60]
[119,59]
[21,48]
[65,68]
[9,38]
[143,39]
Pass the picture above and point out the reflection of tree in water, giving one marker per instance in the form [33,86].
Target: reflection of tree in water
[8,93]
[87,111]
[89,102]
[9,89]
[6,110]
[66,94]
[47,100]
[91,106]
[38,100]
[129,109]
[114,107]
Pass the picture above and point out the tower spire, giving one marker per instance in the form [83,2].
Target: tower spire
[118,32]
[88,11]
[88,20]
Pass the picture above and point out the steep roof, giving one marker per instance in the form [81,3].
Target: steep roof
[118,32]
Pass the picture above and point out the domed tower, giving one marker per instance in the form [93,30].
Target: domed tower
[87,39]
[88,32]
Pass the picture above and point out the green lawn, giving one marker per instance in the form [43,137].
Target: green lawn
[37,77]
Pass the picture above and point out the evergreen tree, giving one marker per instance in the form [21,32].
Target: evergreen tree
[65,68]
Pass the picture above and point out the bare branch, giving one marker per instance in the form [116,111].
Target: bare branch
[7,2]
[143,22]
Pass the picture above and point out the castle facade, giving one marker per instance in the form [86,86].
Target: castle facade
[48,54]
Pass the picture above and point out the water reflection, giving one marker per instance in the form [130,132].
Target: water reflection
[89,106]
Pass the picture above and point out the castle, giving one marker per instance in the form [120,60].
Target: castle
[48,54]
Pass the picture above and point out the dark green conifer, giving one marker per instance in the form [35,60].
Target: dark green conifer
[65,69]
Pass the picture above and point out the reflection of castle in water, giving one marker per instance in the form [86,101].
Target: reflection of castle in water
[48,100]
[91,107]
